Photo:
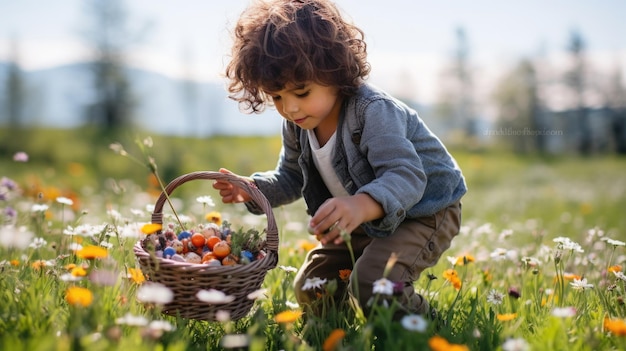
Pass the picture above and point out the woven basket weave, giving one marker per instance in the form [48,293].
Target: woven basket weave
[186,279]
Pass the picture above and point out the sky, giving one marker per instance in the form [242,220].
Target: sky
[406,38]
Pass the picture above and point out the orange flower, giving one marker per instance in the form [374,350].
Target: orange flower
[453,277]
[151,228]
[344,274]
[214,217]
[70,266]
[92,252]
[15,263]
[506,317]
[615,268]
[438,343]
[570,276]
[136,275]
[615,326]
[333,339]
[78,272]
[39,264]
[288,316]
[78,296]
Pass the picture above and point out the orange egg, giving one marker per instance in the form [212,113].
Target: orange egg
[221,249]
[212,241]
[208,256]
[198,240]
[230,260]
[185,245]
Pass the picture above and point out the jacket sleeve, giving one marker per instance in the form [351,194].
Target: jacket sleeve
[283,185]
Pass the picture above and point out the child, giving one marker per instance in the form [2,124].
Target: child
[364,162]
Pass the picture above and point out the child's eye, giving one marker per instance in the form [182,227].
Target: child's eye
[305,94]
[274,98]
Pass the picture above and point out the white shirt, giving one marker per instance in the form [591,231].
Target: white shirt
[322,157]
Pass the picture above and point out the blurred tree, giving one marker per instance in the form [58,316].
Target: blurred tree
[575,80]
[616,101]
[15,89]
[109,37]
[520,109]
[456,104]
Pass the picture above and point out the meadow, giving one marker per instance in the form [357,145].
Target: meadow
[538,265]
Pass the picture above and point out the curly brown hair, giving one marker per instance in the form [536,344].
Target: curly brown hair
[293,41]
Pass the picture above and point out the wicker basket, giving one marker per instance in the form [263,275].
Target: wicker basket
[186,279]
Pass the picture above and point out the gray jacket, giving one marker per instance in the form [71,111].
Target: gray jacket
[383,149]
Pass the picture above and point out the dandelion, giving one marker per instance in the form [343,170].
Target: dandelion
[333,339]
[414,322]
[151,228]
[506,317]
[383,286]
[438,343]
[78,296]
[580,284]
[78,271]
[213,296]
[563,312]
[155,293]
[313,283]
[287,316]
[307,245]
[495,297]
[515,344]
[92,252]
[214,217]
[615,326]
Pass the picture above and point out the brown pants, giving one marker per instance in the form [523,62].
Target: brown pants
[418,244]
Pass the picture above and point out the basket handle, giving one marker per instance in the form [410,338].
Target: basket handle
[254,192]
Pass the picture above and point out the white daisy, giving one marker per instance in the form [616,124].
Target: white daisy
[414,322]
[313,283]
[563,312]
[213,296]
[132,320]
[64,201]
[580,284]
[495,297]
[155,293]
[205,200]
[383,286]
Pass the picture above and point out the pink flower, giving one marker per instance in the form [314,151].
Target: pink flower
[20,156]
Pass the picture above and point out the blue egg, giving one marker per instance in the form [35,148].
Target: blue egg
[184,235]
[247,255]
[169,252]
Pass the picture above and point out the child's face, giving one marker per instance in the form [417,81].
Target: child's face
[309,105]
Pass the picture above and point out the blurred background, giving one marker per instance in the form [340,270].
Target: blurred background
[530,77]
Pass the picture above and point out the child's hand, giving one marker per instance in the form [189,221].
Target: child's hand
[230,193]
[343,214]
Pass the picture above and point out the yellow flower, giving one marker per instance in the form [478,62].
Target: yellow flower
[333,339]
[15,263]
[39,264]
[214,217]
[307,245]
[70,266]
[78,271]
[151,228]
[92,252]
[615,326]
[438,343]
[136,275]
[506,317]
[287,316]
[461,260]
[78,296]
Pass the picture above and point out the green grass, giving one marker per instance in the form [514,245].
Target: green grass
[514,209]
